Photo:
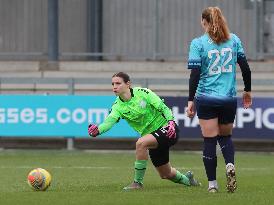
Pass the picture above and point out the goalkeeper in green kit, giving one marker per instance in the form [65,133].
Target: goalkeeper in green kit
[148,115]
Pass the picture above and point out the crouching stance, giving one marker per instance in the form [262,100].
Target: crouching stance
[148,115]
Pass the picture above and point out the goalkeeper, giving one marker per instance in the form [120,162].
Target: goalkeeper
[148,115]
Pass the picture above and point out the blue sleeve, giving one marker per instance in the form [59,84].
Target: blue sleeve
[240,49]
[194,58]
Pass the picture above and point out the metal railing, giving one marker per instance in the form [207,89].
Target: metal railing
[70,84]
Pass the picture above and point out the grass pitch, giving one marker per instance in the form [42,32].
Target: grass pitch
[83,177]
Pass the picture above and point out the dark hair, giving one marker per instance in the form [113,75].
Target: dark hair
[122,75]
[218,29]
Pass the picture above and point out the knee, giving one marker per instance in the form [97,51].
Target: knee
[140,144]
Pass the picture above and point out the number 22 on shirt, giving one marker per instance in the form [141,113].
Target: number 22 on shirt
[217,67]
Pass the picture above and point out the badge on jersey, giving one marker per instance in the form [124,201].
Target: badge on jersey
[143,104]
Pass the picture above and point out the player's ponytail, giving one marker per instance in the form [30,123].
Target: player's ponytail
[217,26]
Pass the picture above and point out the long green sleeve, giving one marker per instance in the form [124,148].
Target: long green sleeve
[145,112]
[110,120]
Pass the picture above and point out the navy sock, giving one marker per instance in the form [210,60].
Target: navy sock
[227,148]
[210,158]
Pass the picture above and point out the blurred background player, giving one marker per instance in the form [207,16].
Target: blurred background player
[212,60]
[148,115]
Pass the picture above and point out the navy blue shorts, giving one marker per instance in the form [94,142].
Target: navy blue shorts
[222,108]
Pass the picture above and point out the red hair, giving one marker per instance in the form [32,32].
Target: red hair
[218,29]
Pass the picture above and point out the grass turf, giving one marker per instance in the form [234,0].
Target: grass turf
[82,177]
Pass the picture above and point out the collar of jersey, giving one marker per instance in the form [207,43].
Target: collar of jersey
[131,93]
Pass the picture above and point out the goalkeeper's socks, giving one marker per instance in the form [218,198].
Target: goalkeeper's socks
[210,157]
[140,169]
[227,148]
[181,179]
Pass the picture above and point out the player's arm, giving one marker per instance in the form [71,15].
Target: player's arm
[246,74]
[194,63]
[193,83]
[242,61]
[111,119]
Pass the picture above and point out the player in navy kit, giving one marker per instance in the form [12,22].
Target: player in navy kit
[212,60]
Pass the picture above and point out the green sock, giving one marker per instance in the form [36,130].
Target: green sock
[181,179]
[140,169]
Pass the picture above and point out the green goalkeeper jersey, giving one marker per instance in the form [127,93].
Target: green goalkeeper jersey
[145,112]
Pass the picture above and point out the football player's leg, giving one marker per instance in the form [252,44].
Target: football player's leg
[228,152]
[210,131]
[142,146]
[226,119]
[167,172]
[160,159]
[225,142]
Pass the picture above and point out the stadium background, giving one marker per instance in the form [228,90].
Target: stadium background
[61,55]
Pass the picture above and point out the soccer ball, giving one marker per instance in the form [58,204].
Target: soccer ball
[39,179]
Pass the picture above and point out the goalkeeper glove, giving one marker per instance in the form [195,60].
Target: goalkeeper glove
[170,128]
[93,130]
